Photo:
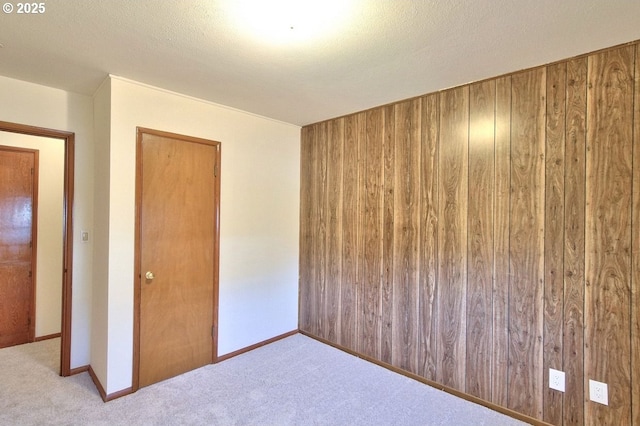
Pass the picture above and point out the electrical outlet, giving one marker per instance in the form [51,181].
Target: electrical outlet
[556,380]
[598,392]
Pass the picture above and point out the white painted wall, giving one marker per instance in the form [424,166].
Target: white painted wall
[259,212]
[42,106]
[99,321]
[49,227]
[259,217]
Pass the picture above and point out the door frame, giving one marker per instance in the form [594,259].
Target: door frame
[137,277]
[67,230]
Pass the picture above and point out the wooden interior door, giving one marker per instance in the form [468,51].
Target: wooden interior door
[17,195]
[178,198]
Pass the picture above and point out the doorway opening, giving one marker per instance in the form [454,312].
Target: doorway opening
[67,230]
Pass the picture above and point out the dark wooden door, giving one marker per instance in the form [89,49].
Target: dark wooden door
[177,255]
[17,169]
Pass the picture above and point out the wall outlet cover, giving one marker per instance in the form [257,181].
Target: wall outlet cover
[556,380]
[598,392]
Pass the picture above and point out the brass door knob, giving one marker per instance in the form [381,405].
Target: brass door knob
[149,275]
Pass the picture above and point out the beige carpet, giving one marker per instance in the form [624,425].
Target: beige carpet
[295,381]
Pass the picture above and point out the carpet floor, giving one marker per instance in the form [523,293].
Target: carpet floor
[294,381]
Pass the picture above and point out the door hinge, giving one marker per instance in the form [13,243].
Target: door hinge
[30,274]
[215,171]
[213,331]
[32,171]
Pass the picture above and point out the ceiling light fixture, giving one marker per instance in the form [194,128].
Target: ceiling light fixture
[290,21]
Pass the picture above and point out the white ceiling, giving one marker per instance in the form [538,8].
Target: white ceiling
[384,51]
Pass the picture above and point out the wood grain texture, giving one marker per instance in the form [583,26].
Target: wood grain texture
[501,221]
[406,235]
[361,137]
[386,290]
[554,237]
[371,225]
[348,288]
[335,145]
[481,255]
[452,237]
[319,218]
[635,283]
[527,242]
[428,257]
[608,239]
[18,220]
[306,230]
[177,203]
[316,181]
[574,181]
[480,242]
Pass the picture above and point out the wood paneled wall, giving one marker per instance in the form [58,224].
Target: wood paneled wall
[481,235]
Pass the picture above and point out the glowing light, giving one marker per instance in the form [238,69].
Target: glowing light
[290,21]
[482,131]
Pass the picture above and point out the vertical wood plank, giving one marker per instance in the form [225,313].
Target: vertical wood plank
[428,261]
[372,216]
[608,239]
[635,285]
[320,219]
[452,236]
[527,242]
[335,144]
[573,344]
[403,191]
[306,230]
[554,238]
[480,239]
[349,234]
[361,136]
[314,272]
[406,235]
[386,294]
[500,365]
